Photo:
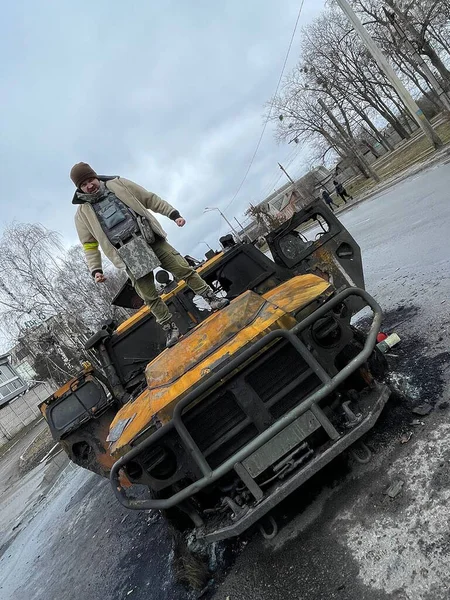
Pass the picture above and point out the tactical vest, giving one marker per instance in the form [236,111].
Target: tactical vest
[131,234]
[116,219]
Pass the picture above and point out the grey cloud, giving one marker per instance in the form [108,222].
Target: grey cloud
[170,94]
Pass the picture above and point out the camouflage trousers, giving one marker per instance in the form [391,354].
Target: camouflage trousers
[171,261]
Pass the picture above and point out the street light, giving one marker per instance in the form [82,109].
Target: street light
[207,209]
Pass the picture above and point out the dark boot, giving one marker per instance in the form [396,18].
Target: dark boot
[172,334]
[215,302]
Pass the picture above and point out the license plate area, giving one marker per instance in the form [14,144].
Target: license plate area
[282,443]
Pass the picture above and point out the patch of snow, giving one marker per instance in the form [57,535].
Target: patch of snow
[408,549]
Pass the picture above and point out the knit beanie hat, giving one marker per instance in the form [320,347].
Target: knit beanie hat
[80,172]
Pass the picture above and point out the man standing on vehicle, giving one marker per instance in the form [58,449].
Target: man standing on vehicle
[114,215]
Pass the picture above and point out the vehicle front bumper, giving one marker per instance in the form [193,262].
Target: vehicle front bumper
[311,402]
[374,401]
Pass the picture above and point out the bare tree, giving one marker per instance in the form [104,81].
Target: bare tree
[302,115]
[338,100]
[417,17]
[264,219]
[28,267]
[79,291]
[334,91]
[335,62]
[426,23]
[48,300]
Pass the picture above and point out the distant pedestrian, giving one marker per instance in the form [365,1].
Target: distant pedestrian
[328,199]
[341,191]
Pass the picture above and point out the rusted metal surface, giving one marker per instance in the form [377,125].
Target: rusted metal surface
[86,445]
[325,261]
[212,475]
[247,310]
[70,385]
[298,292]
[179,369]
[334,255]
[377,399]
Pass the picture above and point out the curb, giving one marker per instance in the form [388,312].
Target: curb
[402,176]
[19,436]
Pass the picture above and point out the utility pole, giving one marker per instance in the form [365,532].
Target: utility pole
[299,192]
[286,173]
[350,141]
[240,225]
[432,79]
[384,65]
[226,220]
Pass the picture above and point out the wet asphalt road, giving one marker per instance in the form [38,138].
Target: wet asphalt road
[341,537]
[351,541]
[79,543]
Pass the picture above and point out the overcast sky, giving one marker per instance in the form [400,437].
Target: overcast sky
[169,94]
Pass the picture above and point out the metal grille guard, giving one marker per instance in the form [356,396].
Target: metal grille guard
[309,403]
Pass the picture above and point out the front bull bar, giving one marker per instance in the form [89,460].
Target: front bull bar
[309,403]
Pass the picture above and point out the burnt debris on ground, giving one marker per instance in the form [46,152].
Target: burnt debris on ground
[420,377]
[417,379]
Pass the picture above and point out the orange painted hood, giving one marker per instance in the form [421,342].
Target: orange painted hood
[177,370]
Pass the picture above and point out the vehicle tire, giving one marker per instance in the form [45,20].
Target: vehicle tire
[176,518]
[190,567]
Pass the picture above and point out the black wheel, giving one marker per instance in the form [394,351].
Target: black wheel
[190,566]
[177,519]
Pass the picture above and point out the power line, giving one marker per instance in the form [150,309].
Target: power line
[270,109]
[271,188]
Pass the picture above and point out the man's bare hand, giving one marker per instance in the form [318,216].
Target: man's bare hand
[99,278]
[180,221]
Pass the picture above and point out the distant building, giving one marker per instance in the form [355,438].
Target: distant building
[22,361]
[47,339]
[288,199]
[11,384]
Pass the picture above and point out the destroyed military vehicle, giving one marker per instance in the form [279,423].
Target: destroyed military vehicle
[251,402]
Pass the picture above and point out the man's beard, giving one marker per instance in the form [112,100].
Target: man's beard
[95,196]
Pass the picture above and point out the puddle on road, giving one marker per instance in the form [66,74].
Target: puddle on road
[84,491]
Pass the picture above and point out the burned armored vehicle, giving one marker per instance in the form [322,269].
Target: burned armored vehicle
[251,402]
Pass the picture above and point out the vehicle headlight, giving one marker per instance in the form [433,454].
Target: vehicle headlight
[160,462]
[326,332]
